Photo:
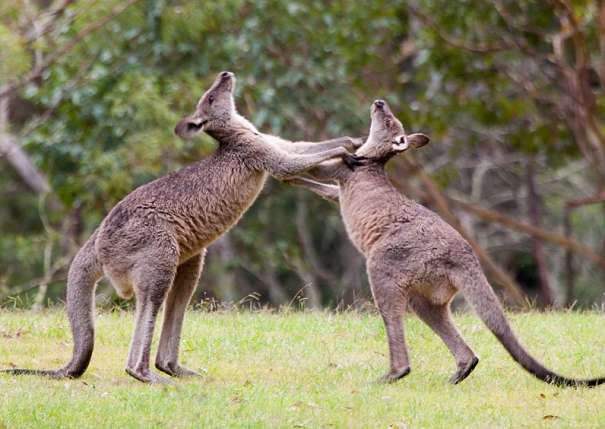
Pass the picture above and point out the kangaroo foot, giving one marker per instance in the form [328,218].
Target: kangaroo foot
[176,370]
[147,376]
[464,370]
[394,375]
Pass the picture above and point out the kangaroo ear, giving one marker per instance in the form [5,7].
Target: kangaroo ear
[417,140]
[400,143]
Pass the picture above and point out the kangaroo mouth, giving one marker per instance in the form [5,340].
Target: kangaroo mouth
[194,126]
[188,127]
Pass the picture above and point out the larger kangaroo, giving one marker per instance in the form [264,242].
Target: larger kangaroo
[152,243]
[413,256]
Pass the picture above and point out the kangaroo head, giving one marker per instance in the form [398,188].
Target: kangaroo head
[387,136]
[214,110]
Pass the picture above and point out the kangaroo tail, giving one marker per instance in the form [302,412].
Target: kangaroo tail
[478,292]
[82,278]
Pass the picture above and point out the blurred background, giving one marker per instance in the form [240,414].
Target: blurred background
[511,93]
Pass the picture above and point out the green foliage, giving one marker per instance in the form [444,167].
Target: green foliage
[13,57]
[306,70]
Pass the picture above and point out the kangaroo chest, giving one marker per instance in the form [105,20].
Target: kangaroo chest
[360,209]
[371,209]
[219,204]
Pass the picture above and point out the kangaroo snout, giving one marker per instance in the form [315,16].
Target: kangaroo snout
[379,104]
[225,81]
[226,75]
[188,127]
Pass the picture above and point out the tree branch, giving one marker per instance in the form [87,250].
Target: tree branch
[598,198]
[68,47]
[456,43]
[551,237]
[47,21]
[26,169]
[534,208]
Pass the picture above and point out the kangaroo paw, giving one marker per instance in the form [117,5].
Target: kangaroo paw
[353,161]
[394,375]
[176,370]
[147,377]
[464,370]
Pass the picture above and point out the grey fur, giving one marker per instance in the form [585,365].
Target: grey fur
[152,243]
[414,257]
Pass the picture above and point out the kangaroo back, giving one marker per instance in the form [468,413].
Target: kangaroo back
[478,292]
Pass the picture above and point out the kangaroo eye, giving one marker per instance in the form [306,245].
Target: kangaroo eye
[211,99]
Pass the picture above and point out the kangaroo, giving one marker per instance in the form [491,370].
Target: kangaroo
[413,256]
[153,242]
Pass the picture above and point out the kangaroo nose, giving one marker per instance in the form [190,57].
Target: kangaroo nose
[379,104]
[226,74]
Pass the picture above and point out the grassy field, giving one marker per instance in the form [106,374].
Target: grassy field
[302,370]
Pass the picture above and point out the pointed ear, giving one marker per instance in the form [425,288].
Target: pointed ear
[417,140]
[400,143]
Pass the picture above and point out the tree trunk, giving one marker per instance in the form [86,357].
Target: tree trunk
[534,203]
[227,282]
[16,156]
[40,298]
[309,276]
[277,295]
[570,275]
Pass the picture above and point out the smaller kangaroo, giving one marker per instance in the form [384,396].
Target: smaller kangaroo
[413,256]
[152,244]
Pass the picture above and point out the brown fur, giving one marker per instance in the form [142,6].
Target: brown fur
[414,258]
[152,243]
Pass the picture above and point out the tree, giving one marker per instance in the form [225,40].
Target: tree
[93,91]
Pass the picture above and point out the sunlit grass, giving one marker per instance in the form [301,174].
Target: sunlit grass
[307,369]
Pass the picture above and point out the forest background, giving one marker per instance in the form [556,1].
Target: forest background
[511,93]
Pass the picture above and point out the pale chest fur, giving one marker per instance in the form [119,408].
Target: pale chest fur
[370,208]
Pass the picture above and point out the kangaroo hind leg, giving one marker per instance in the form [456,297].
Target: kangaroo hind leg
[391,301]
[439,319]
[152,279]
[179,295]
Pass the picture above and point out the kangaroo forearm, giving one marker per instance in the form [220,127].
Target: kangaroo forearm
[310,148]
[328,192]
[327,171]
[288,165]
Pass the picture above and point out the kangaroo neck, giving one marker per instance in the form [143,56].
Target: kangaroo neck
[372,171]
[235,138]
[371,207]
[236,132]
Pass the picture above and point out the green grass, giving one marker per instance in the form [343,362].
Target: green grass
[305,369]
